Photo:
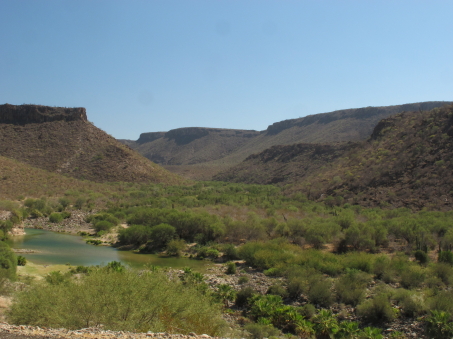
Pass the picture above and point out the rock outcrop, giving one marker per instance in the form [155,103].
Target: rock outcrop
[29,114]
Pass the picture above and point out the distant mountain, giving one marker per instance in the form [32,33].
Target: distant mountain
[62,140]
[405,163]
[200,153]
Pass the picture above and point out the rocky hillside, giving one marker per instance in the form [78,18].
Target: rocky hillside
[405,163]
[61,140]
[200,153]
[284,164]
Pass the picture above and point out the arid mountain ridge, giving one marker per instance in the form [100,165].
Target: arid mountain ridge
[62,140]
[404,163]
[200,153]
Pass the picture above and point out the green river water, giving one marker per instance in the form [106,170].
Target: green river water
[60,248]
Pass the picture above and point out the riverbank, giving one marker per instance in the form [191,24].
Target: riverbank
[39,271]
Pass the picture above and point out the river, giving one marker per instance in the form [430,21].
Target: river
[60,248]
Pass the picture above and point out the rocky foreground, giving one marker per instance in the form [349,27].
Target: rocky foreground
[33,332]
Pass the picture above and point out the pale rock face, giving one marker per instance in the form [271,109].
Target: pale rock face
[18,230]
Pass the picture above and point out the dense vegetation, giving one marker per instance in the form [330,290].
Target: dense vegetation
[386,264]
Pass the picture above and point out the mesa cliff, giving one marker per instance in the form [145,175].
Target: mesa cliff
[29,114]
[62,140]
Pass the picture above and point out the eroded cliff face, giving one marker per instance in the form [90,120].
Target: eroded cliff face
[30,114]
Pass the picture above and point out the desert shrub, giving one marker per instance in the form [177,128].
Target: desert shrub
[260,331]
[382,269]
[376,310]
[443,271]
[56,217]
[277,289]
[297,286]
[8,262]
[244,295]
[5,227]
[124,301]
[21,260]
[358,261]
[34,213]
[120,215]
[265,255]
[360,237]
[412,304]
[38,204]
[230,252]
[95,242]
[115,266]
[243,279]
[134,235]
[79,203]
[81,269]
[446,257]
[175,247]
[160,236]
[64,202]
[351,286]
[231,268]
[320,292]
[412,277]
[442,301]
[56,278]
[207,252]
[95,218]
[102,225]
[421,256]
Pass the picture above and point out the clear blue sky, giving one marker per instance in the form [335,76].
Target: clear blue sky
[143,66]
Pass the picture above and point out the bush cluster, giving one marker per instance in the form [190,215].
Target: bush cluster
[119,300]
